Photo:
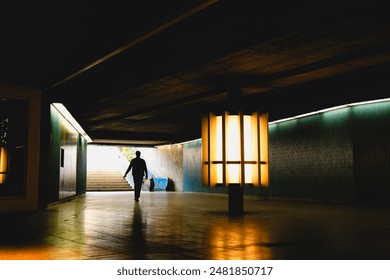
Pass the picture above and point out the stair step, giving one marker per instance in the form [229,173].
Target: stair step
[112,179]
[109,189]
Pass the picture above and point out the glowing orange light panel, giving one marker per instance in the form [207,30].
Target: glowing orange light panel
[3,164]
[235,149]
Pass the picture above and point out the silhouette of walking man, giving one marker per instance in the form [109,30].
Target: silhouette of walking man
[138,166]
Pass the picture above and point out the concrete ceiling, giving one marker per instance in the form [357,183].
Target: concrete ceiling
[143,72]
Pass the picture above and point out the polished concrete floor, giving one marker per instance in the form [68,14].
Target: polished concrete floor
[164,226]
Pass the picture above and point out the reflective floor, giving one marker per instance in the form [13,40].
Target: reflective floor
[194,226]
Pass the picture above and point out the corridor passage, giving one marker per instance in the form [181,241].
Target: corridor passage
[168,225]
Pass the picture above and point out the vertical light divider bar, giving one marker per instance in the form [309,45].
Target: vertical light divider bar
[256,149]
[225,124]
[206,150]
[264,153]
[242,149]
[213,146]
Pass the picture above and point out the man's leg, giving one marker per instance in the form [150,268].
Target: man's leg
[137,188]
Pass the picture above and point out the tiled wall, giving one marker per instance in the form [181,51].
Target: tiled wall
[312,158]
[372,152]
[81,180]
[165,161]
[192,172]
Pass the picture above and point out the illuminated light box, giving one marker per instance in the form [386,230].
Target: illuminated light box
[235,149]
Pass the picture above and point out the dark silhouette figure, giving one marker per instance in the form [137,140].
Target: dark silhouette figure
[139,169]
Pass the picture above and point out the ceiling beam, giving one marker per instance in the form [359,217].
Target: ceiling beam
[137,41]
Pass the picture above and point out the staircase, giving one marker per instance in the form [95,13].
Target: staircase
[107,180]
[105,169]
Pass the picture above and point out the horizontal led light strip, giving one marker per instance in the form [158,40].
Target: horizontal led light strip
[331,109]
[65,113]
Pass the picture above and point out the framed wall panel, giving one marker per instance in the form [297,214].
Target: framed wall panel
[20,113]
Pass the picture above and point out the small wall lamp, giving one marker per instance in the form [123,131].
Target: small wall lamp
[235,149]
[3,164]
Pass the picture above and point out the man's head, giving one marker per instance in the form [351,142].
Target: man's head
[138,153]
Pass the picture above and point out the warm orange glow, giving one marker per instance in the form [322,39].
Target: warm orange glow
[250,148]
[218,149]
[26,254]
[205,151]
[42,252]
[264,168]
[3,164]
[209,150]
[235,149]
[240,242]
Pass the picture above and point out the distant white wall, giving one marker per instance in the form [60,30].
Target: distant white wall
[165,161]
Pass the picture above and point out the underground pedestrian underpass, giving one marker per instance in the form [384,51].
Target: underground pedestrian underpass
[265,131]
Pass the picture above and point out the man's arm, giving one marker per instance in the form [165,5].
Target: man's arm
[146,170]
[128,169]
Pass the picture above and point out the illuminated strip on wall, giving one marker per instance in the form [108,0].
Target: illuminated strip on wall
[331,109]
[65,113]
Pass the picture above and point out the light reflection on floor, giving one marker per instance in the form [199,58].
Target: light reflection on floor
[194,226]
[239,240]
